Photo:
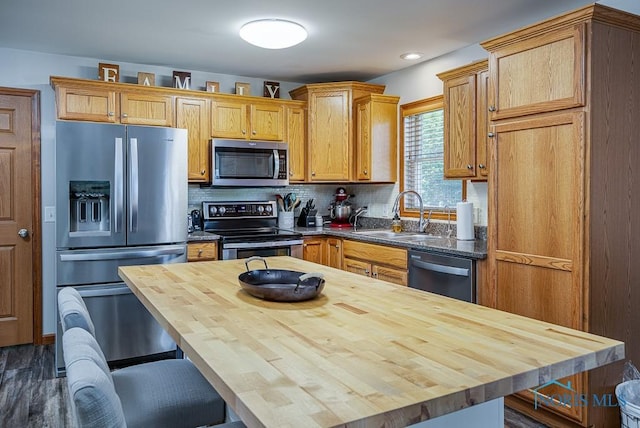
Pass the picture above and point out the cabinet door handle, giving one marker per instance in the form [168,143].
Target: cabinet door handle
[313,174]
[365,172]
[111,114]
[492,108]
[366,271]
[491,135]
[202,172]
[254,132]
[481,166]
[244,132]
[200,252]
[290,173]
[469,167]
[125,115]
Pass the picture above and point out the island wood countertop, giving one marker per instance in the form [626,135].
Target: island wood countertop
[364,353]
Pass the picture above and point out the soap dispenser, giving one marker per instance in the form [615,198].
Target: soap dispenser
[396,224]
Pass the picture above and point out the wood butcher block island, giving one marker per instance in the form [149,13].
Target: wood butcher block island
[364,353]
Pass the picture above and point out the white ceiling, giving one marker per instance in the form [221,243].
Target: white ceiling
[348,39]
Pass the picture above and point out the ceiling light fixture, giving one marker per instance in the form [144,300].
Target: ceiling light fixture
[273,33]
[411,56]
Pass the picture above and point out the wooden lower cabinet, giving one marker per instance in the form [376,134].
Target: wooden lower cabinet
[202,251]
[334,253]
[376,261]
[313,249]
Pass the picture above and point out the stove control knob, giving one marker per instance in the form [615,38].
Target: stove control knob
[267,208]
[260,209]
[222,210]
[212,210]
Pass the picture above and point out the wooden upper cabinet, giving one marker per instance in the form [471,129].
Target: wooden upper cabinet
[267,121]
[96,101]
[241,119]
[558,58]
[192,114]
[330,144]
[465,121]
[296,137]
[139,108]
[376,142]
[90,104]
[229,119]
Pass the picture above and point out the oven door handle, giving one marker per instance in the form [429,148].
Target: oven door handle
[440,268]
[269,244]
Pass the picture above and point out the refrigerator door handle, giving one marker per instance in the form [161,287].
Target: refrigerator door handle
[118,186]
[133,185]
[121,254]
[276,164]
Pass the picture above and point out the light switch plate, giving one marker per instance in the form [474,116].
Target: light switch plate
[49,214]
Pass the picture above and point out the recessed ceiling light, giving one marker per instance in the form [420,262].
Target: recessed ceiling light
[411,56]
[273,33]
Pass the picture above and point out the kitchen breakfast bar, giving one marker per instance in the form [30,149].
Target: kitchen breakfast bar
[364,353]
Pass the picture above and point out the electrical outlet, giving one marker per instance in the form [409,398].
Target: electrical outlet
[49,214]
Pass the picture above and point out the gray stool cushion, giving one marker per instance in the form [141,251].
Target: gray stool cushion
[73,312]
[95,402]
[167,393]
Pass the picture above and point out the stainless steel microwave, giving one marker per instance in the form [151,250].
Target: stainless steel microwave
[249,163]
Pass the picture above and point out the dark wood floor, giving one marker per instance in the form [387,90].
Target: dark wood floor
[32,397]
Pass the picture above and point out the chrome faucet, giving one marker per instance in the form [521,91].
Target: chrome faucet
[396,207]
[447,208]
[359,211]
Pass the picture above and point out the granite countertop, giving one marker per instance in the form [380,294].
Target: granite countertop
[476,249]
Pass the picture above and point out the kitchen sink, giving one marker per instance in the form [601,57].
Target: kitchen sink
[382,233]
[421,237]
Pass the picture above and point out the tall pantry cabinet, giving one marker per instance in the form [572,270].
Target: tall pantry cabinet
[564,190]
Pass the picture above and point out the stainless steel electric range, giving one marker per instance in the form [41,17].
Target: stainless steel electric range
[250,229]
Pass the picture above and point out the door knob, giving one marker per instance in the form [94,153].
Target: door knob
[23,233]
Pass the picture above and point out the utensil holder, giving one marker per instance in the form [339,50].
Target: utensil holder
[285,219]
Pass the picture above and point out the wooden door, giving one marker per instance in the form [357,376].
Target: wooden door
[192,114]
[459,127]
[296,137]
[329,136]
[228,119]
[19,228]
[267,122]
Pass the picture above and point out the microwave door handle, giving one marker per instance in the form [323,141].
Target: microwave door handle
[133,185]
[118,185]
[276,164]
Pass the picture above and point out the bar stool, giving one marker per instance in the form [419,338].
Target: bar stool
[166,393]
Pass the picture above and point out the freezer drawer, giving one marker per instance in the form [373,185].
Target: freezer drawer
[124,327]
[97,266]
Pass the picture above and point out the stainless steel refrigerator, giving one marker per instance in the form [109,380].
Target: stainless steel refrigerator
[121,199]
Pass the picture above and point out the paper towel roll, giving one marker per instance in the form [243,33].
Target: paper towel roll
[464,212]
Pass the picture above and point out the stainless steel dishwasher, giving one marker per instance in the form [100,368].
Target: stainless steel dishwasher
[446,275]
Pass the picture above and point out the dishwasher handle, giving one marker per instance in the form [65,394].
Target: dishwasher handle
[450,270]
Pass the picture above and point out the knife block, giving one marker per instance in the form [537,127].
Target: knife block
[307,218]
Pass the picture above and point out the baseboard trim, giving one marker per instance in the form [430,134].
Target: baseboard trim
[48,339]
